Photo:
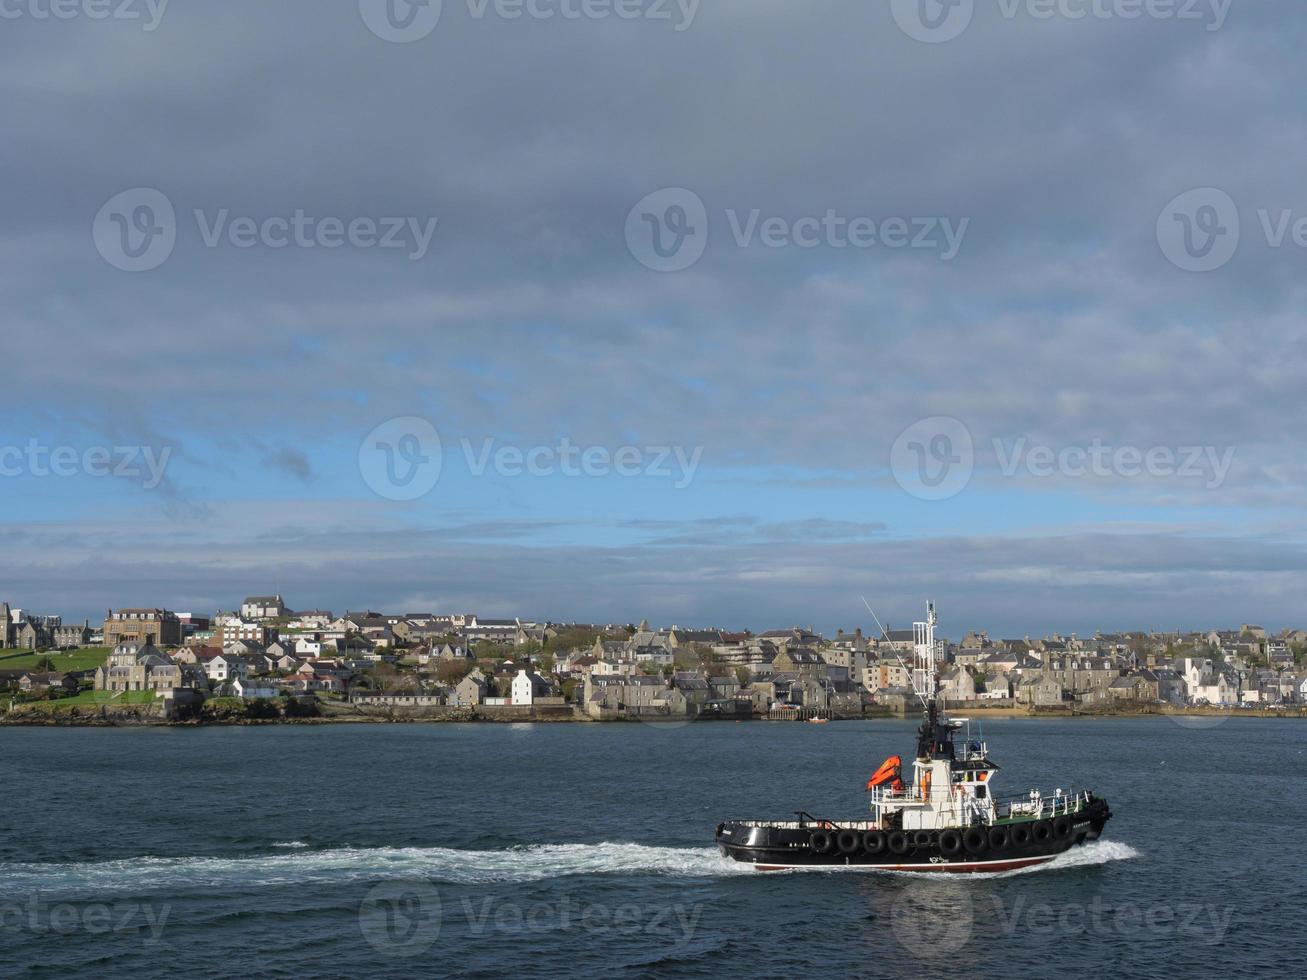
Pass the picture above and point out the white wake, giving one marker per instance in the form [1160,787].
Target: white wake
[292,864]
[435,864]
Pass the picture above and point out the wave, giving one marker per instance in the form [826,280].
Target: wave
[347,864]
[434,864]
[1096,852]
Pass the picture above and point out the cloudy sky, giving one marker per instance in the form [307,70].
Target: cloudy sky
[724,313]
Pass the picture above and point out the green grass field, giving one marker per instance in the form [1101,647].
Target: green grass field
[108,697]
[87,659]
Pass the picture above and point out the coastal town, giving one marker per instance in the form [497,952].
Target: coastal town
[265,661]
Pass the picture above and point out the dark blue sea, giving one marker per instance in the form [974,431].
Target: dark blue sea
[586,851]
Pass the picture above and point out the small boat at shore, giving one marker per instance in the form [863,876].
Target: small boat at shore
[945,821]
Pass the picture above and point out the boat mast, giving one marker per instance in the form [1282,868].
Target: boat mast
[934,738]
[923,657]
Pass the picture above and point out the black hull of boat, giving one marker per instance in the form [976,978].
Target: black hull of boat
[828,844]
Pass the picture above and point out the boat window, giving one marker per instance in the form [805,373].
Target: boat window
[980,792]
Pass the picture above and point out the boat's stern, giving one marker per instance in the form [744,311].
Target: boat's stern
[755,842]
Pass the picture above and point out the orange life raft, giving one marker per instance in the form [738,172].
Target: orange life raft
[890,771]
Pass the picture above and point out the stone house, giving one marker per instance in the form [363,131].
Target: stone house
[263,607]
[142,627]
[470,691]
[66,683]
[957,685]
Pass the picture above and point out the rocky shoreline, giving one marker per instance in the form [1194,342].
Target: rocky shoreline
[53,715]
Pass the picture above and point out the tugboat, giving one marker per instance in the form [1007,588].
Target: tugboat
[946,821]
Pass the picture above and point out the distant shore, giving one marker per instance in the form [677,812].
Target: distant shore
[53,715]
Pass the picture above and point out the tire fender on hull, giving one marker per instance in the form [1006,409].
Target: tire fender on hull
[848,841]
[975,840]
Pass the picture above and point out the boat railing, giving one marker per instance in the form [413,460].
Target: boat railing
[1039,806]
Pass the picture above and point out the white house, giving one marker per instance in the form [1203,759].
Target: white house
[250,690]
[225,667]
[527,686]
[308,647]
[1217,687]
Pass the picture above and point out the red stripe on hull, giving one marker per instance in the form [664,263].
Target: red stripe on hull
[961,867]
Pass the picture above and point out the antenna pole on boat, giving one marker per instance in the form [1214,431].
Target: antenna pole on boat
[912,679]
